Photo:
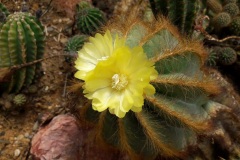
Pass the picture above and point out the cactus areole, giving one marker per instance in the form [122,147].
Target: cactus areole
[170,80]
[21,41]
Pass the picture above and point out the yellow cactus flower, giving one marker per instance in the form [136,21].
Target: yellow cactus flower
[120,82]
[97,49]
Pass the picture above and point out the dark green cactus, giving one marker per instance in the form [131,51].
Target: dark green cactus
[169,120]
[182,13]
[21,41]
[212,57]
[235,26]
[75,43]
[221,20]
[227,56]
[88,18]
[3,13]
[231,8]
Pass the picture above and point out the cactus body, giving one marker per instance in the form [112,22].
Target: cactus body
[221,20]
[3,13]
[4,10]
[168,121]
[182,13]
[89,19]
[227,56]
[19,99]
[21,41]
[231,8]
[235,26]
[75,43]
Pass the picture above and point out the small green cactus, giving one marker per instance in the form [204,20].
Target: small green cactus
[32,89]
[227,56]
[235,26]
[4,9]
[212,58]
[231,8]
[21,41]
[75,43]
[88,18]
[167,123]
[221,20]
[182,13]
[20,99]
[3,13]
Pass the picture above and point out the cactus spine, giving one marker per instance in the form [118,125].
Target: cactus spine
[182,13]
[21,41]
[168,121]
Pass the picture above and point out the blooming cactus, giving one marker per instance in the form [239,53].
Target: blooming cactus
[147,87]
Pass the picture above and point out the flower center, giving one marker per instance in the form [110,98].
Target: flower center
[119,81]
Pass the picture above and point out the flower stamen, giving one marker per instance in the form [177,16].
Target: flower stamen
[119,81]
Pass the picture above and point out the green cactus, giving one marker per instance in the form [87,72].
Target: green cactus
[3,13]
[231,8]
[169,120]
[227,56]
[4,9]
[212,57]
[19,99]
[235,26]
[88,18]
[221,20]
[182,13]
[21,41]
[75,43]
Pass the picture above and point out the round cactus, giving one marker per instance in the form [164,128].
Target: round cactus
[75,43]
[221,20]
[231,8]
[168,120]
[235,26]
[20,99]
[21,41]
[89,19]
[212,57]
[32,89]
[227,56]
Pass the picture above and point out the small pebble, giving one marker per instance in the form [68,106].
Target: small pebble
[20,137]
[49,29]
[26,135]
[46,88]
[17,152]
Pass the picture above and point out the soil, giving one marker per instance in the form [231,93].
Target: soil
[19,124]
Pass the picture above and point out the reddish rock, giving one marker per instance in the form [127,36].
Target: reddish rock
[58,140]
[64,139]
